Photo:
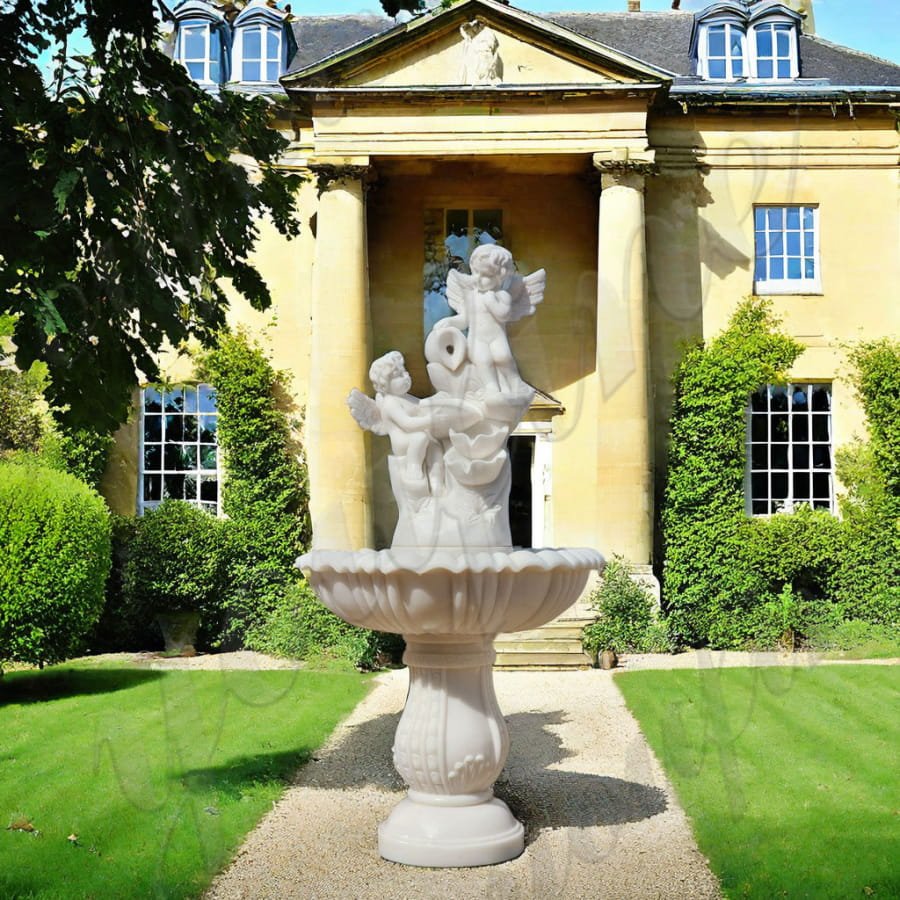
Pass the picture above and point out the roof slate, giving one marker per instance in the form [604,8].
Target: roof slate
[659,38]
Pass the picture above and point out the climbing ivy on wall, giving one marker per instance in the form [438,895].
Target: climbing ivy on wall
[266,488]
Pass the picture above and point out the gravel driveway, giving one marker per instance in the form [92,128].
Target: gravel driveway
[601,819]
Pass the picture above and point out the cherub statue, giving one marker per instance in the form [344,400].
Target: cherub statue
[485,302]
[481,54]
[396,413]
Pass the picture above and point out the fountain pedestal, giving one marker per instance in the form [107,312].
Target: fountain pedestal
[450,747]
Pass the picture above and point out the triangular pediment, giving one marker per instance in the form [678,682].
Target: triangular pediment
[479,43]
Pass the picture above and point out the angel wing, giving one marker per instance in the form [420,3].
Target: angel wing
[527,292]
[458,285]
[366,412]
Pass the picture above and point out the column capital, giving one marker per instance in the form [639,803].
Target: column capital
[621,166]
[329,172]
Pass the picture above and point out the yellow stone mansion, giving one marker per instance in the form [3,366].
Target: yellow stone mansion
[659,166]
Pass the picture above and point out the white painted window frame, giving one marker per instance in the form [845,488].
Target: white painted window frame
[237,53]
[192,24]
[142,504]
[785,285]
[790,503]
[772,25]
[728,24]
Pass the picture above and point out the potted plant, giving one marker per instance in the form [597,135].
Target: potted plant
[176,570]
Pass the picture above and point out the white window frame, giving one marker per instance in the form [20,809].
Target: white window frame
[774,26]
[728,25]
[198,471]
[790,469]
[238,58]
[786,284]
[191,25]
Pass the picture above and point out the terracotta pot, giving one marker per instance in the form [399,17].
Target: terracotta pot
[179,631]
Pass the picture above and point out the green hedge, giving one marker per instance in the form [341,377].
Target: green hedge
[55,535]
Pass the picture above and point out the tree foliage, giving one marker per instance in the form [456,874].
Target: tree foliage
[123,204]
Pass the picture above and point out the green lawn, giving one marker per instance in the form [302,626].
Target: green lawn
[157,775]
[789,776]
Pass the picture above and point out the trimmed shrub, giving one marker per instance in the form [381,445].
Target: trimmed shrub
[55,536]
[177,561]
[627,620]
[301,627]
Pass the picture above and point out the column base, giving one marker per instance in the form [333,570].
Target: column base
[443,836]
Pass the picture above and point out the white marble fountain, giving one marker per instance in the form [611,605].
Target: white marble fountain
[452,580]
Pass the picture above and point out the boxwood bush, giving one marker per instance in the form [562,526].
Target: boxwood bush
[55,535]
[177,561]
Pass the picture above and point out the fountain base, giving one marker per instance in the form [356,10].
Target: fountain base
[422,832]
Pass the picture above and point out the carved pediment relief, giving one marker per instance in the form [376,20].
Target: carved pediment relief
[476,43]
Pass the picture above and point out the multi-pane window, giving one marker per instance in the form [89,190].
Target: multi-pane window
[725,52]
[198,50]
[179,448]
[789,448]
[260,52]
[450,237]
[786,245]
[775,57]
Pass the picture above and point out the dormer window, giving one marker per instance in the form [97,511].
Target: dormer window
[725,51]
[201,39]
[262,44]
[755,39]
[774,51]
[258,53]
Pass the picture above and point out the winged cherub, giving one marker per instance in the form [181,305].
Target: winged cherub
[396,413]
[485,302]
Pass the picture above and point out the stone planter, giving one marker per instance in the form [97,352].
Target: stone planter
[179,630]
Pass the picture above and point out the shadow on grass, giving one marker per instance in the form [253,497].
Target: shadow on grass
[539,796]
[58,684]
[232,777]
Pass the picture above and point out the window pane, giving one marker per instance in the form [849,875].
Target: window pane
[808,217]
[174,428]
[209,489]
[252,44]
[759,271]
[273,70]
[273,44]
[174,400]
[783,42]
[759,484]
[188,457]
[809,243]
[780,457]
[208,425]
[779,487]
[759,456]
[152,488]
[152,457]
[759,400]
[207,397]
[172,457]
[208,457]
[793,270]
[820,428]
[251,71]
[776,270]
[152,400]
[764,41]
[821,399]
[759,218]
[799,399]
[793,243]
[190,399]
[810,267]
[776,243]
[737,67]
[793,217]
[800,427]
[801,486]
[801,457]
[784,68]
[214,70]
[821,486]
[764,68]
[758,429]
[173,487]
[717,41]
[190,487]
[487,226]
[197,71]
[717,68]
[193,42]
[821,456]
[190,428]
[779,429]
[152,428]
[779,399]
[775,217]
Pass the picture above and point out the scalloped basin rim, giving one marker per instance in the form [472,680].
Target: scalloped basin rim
[403,559]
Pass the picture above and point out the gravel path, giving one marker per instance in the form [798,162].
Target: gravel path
[601,819]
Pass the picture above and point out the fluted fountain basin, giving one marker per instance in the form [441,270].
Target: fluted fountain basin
[447,591]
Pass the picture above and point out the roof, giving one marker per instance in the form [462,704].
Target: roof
[661,39]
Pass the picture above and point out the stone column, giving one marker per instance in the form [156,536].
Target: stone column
[339,471]
[624,421]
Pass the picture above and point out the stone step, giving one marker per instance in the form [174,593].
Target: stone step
[535,645]
[563,631]
[542,661]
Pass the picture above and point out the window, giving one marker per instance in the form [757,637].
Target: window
[450,237]
[258,49]
[775,48]
[789,451]
[179,450]
[199,51]
[724,58]
[786,242]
